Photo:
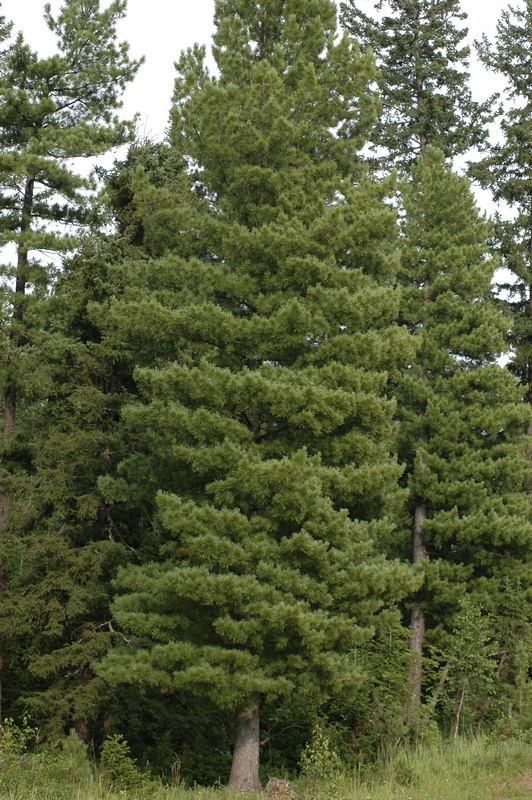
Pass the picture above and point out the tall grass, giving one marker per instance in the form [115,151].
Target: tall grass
[474,769]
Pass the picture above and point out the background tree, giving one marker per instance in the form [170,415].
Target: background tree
[268,431]
[423,77]
[507,171]
[470,680]
[5,28]
[53,111]
[462,416]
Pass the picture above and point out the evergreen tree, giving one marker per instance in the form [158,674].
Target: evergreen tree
[53,111]
[5,28]
[470,679]
[54,615]
[61,547]
[462,417]
[507,171]
[514,634]
[423,77]
[264,421]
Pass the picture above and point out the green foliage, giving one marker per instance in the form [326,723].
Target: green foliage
[264,423]
[463,422]
[73,764]
[53,111]
[507,172]
[460,770]
[470,680]
[320,765]
[319,761]
[513,630]
[18,739]
[26,765]
[205,403]
[382,723]
[423,77]
[119,769]
[164,727]
[148,194]
[63,546]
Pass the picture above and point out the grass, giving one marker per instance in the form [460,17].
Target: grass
[462,770]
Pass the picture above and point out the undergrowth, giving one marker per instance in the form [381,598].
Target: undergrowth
[461,769]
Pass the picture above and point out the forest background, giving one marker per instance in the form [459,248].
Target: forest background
[265,480]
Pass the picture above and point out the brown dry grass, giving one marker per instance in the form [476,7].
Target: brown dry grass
[516,789]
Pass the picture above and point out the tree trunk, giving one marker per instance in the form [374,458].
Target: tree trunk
[417,619]
[245,767]
[419,553]
[527,483]
[420,92]
[81,726]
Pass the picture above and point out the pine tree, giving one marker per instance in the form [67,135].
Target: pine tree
[462,418]
[5,28]
[56,607]
[507,171]
[423,77]
[264,423]
[53,111]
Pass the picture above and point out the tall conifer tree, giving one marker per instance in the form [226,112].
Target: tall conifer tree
[462,417]
[423,77]
[507,171]
[55,611]
[265,423]
[53,111]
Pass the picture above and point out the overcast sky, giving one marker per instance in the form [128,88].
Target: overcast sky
[161,29]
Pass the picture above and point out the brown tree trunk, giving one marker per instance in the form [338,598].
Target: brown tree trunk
[420,92]
[245,767]
[81,726]
[417,619]
[419,551]
[528,486]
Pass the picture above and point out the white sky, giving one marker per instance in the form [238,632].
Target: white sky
[161,29]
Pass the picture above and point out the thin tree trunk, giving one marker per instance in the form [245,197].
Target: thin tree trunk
[417,619]
[420,93]
[245,767]
[419,551]
[81,726]
[527,483]
[459,711]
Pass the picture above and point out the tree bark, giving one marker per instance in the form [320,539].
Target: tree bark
[245,767]
[527,482]
[417,619]
[81,726]
[420,92]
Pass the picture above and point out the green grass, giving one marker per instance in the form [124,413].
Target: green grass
[462,770]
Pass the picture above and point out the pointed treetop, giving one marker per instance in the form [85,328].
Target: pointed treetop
[423,62]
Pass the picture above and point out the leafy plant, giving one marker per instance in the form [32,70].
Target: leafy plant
[119,769]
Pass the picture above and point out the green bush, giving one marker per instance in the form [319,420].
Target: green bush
[118,768]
